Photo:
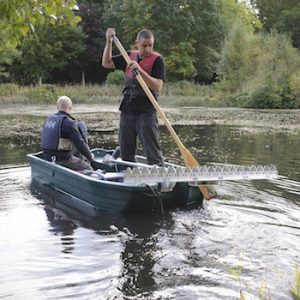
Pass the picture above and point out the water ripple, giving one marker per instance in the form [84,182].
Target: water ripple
[247,237]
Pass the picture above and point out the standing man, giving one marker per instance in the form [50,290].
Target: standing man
[138,116]
[59,136]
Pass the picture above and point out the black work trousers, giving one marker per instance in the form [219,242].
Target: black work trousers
[75,163]
[145,127]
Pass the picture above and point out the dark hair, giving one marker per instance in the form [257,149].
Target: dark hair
[144,34]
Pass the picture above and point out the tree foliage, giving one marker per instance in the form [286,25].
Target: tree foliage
[7,57]
[235,11]
[91,12]
[181,61]
[50,49]
[193,26]
[262,69]
[238,57]
[199,39]
[283,16]
[19,17]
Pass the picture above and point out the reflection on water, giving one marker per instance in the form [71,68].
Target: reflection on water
[134,231]
[234,145]
[247,237]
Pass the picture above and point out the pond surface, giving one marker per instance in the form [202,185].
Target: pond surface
[248,239]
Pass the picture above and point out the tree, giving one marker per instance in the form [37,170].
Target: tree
[181,60]
[238,61]
[261,70]
[50,49]
[91,12]
[283,16]
[192,26]
[235,11]
[289,23]
[19,17]
[269,11]
[6,59]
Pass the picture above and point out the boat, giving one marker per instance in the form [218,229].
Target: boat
[104,189]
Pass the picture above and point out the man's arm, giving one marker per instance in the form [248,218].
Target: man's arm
[107,61]
[78,141]
[154,84]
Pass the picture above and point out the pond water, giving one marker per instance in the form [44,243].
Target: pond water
[248,239]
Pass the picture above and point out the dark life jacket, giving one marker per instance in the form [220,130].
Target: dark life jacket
[133,92]
[51,134]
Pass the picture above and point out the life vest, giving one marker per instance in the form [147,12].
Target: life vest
[51,134]
[133,91]
[146,63]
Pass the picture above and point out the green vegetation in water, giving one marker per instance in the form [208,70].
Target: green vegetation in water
[295,290]
[235,273]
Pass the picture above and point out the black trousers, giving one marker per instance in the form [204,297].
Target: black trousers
[145,127]
[75,163]
[72,162]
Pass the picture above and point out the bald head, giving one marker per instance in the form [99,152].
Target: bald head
[64,103]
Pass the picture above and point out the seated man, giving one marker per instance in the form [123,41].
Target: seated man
[60,134]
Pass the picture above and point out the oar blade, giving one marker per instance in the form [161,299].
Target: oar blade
[208,191]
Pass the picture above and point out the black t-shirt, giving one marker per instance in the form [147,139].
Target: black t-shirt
[144,105]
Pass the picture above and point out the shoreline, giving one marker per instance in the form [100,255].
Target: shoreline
[108,115]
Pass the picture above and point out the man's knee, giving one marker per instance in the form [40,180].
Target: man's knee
[76,164]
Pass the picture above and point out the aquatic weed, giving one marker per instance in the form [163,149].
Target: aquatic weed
[295,290]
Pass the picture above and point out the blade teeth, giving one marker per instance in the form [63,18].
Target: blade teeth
[172,173]
[172,170]
[260,169]
[204,170]
[145,171]
[187,171]
[252,169]
[180,171]
[163,170]
[128,172]
[195,170]
[136,171]
[154,171]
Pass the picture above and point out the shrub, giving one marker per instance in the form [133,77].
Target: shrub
[183,88]
[43,94]
[294,83]
[262,70]
[264,97]
[241,100]
[288,98]
[9,89]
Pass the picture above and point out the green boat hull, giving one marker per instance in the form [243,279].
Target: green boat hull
[111,196]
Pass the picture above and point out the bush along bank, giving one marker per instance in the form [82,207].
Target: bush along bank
[176,94]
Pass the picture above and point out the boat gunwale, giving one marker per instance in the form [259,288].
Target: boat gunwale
[91,180]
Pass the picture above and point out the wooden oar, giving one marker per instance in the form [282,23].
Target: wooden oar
[207,191]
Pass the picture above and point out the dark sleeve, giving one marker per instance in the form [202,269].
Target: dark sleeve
[159,69]
[77,139]
[120,62]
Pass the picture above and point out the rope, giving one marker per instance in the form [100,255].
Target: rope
[159,198]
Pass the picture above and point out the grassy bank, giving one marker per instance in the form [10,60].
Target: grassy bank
[174,94]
